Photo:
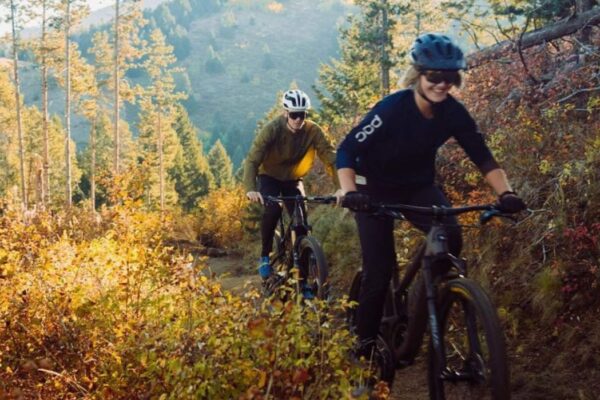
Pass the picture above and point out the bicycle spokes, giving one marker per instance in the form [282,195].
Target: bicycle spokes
[473,348]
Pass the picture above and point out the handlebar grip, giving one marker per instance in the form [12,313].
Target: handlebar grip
[323,199]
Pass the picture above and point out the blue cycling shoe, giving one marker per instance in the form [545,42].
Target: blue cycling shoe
[307,292]
[264,268]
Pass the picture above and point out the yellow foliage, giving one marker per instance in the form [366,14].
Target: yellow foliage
[107,310]
[220,216]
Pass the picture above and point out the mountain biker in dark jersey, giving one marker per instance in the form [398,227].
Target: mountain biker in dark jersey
[281,154]
[389,157]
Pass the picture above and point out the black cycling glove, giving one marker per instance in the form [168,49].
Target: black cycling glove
[509,202]
[356,201]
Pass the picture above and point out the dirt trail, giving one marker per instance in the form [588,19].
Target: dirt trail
[409,384]
[232,274]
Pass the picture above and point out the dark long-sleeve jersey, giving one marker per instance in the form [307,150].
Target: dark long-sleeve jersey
[395,145]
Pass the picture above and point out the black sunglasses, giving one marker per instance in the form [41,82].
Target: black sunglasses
[438,76]
[297,114]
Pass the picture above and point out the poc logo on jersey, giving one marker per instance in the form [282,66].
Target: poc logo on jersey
[361,135]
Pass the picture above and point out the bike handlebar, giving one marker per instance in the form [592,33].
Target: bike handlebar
[396,211]
[441,211]
[308,199]
[490,211]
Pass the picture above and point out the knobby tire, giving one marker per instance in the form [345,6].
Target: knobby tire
[475,351]
[313,265]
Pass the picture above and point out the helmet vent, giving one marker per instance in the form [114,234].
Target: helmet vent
[436,51]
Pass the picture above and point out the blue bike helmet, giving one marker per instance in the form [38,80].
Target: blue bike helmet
[436,51]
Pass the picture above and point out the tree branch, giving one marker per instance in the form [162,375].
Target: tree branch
[562,28]
[575,93]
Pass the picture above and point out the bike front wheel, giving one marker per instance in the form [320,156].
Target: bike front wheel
[472,344]
[313,267]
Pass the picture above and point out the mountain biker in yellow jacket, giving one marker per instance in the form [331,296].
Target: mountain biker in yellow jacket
[280,156]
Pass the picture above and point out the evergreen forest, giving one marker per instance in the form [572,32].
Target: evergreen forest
[128,247]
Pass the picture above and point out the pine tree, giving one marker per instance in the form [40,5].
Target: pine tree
[127,51]
[33,145]
[45,50]
[9,169]
[348,86]
[71,13]
[99,109]
[190,171]
[220,165]
[16,19]
[159,103]
[97,158]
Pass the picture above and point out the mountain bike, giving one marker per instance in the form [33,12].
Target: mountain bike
[297,259]
[467,354]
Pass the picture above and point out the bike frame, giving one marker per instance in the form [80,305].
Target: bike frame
[434,251]
[298,219]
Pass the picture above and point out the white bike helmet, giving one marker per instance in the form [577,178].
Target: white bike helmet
[295,100]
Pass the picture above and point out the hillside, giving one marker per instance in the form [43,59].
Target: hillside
[262,51]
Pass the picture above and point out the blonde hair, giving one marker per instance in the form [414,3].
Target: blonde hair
[411,78]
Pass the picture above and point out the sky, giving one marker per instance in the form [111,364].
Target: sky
[5,26]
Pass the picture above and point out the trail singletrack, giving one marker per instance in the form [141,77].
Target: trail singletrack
[410,383]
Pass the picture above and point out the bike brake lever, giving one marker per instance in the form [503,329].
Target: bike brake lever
[487,216]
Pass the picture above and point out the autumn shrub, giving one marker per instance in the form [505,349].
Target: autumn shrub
[220,216]
[106,310]
[336,231]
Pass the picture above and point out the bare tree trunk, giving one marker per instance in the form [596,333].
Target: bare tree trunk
[93,163]
[562,28]
[117,141]
[46,156]
[160,163]
[39,182]
[385,68]
[13,11]
[68,192]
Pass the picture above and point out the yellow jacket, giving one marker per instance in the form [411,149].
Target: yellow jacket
[285,155]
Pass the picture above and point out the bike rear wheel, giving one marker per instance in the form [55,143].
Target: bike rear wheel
[313,267]
[407,337]
[473,344]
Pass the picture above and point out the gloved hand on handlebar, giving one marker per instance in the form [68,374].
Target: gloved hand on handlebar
[356,201]
[509,202]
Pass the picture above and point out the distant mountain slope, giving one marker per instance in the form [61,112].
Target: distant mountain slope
[242,53]
[261,52]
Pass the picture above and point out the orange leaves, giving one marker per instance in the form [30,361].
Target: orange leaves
[258,328]
[300,376]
